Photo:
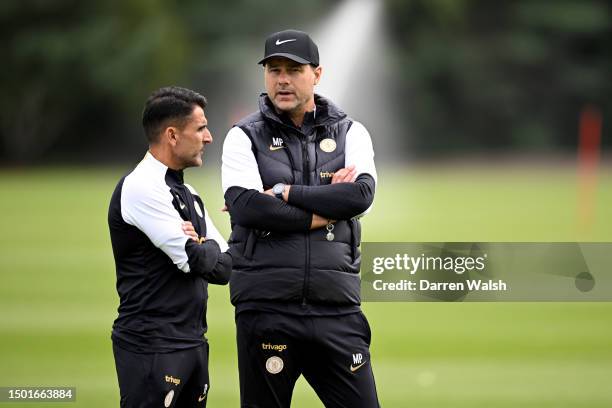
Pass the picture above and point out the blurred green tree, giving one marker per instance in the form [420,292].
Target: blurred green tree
[502,74]
[74,67]
[76,73]
[472,74]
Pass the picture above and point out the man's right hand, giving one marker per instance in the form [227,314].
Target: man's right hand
[190,231]
[319,222]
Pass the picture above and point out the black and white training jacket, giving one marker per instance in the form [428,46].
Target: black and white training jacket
[162,274]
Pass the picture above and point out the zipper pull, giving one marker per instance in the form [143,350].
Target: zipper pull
[330,235]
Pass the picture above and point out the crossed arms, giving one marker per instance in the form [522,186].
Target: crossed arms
[350,193]
[148,207]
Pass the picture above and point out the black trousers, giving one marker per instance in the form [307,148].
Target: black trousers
[177,379]
[332,352]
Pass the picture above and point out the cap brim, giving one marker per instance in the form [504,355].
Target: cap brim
[283,54]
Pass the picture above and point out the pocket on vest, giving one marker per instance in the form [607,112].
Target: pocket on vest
[241,242]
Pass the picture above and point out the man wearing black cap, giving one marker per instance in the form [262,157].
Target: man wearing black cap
[297,175]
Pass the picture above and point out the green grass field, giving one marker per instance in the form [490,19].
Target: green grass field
[58,301]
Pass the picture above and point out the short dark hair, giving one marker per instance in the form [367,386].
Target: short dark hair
[168,103]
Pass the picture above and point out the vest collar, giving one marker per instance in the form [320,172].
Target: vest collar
[326,112]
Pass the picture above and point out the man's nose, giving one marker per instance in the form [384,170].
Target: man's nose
[208,138]
[283,77]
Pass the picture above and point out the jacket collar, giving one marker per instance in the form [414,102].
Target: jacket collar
[175,176]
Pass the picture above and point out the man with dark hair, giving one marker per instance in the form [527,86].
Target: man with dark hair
[297,174]
[166,251]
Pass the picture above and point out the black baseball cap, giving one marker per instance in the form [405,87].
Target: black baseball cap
[293,44]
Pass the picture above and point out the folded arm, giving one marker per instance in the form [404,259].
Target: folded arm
[253,209]
[338,201]
[207,260]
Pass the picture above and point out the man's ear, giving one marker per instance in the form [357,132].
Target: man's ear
[171,135]
[318,71]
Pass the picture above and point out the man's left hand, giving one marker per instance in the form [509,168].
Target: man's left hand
[344,175]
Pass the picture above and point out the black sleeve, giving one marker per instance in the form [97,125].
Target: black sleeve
[207,260]
[253,209]
[340,201]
